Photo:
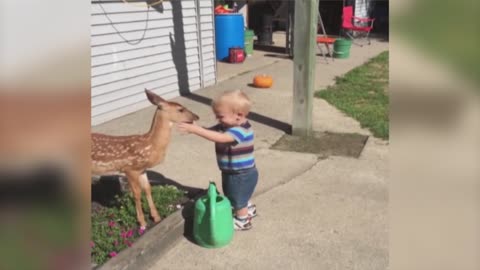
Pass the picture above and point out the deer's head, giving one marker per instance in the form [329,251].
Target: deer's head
[174,111]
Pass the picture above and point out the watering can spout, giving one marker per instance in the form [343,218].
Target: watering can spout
[212,199]
[212,191]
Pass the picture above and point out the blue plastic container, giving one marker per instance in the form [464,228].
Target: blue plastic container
[229,32]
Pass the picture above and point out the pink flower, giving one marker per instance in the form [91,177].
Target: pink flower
[123,235]
[115,243]
[92,244]
[112,254]
[129,233]
[128,243]
[141,231]
[111,224]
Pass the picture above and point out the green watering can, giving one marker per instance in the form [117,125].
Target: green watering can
[213,219]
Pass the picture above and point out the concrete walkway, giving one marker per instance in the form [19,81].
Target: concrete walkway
[313,213]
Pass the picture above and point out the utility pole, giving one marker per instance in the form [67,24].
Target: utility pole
[304,58]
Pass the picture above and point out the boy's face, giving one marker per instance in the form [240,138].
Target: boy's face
[227,117]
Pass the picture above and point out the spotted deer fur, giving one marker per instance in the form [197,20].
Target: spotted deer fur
[134,154]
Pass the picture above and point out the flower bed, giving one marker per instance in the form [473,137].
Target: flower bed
[116,228]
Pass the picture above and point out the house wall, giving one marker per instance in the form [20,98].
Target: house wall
[208,42]
[175,54]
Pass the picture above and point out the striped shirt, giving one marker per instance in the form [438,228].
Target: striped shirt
[237,155]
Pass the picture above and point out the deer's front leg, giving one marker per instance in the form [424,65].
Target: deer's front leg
[133,181]
[148,191]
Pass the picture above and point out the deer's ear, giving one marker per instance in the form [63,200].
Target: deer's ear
[153,98]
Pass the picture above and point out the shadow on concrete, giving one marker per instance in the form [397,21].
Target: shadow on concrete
[285,127]
[158,179]
[262,119]
[323,54]
[105,189]
[270,48]
[187,214]
[177,44]
[282,56]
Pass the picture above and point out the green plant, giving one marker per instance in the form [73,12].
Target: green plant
[116,228]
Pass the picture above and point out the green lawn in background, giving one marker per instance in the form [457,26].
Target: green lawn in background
[362,93]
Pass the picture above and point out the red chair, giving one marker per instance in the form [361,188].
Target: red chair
[349,24]
[327,41]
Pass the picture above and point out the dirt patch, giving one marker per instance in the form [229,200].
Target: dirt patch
[324,144]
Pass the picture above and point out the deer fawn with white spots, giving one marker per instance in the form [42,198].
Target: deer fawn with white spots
[133,154]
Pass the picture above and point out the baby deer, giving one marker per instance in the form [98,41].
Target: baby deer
[134,154]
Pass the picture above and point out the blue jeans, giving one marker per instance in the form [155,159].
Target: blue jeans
[238,187]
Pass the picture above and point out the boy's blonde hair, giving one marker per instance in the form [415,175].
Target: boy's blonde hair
[237,100]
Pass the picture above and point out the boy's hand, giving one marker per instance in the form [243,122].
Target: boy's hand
[210,135]
[187,128]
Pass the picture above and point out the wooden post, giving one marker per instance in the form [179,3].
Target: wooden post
[304,58]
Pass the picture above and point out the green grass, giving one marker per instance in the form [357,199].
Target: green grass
[362,93]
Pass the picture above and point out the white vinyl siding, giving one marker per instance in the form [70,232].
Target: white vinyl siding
[121,71]
[207,40]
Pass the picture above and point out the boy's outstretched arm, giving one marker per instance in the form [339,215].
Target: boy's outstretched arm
[210,135]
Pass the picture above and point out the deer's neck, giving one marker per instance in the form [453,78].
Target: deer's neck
[159,133]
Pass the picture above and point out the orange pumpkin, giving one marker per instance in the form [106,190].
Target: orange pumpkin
[263,81]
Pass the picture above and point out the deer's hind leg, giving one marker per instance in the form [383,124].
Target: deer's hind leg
[134,183]
[145,184]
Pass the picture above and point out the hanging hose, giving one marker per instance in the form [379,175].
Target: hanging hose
[138,5]
[130,42]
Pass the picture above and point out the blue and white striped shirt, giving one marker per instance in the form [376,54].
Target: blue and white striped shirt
[237,155]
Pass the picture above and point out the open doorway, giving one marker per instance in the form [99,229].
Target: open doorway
[331,13]
[255,58]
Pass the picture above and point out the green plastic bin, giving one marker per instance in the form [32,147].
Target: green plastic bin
[249,41]
[341,48]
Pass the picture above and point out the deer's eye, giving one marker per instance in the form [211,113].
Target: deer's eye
[181,110]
